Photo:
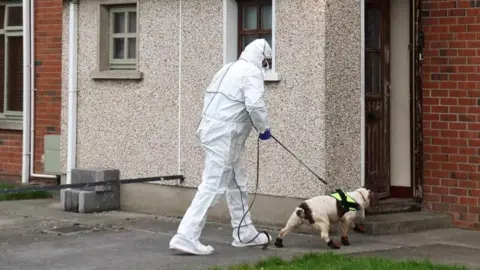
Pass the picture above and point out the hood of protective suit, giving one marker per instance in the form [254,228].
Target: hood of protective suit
[256,52]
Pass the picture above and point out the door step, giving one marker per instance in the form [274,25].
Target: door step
[393,205]
[401,223]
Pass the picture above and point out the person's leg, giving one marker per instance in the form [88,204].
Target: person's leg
[237,200]
[215,176]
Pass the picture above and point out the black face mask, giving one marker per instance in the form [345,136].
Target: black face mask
[267,63]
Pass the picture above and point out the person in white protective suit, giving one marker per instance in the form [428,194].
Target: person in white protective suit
[234,102]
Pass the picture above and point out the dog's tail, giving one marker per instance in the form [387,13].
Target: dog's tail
[303,211]
[300,212]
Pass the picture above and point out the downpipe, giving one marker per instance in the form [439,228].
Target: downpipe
[26,93]
[72,89]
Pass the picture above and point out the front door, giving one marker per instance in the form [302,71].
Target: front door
[377,92]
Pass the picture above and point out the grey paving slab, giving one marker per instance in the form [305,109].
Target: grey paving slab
[33,236]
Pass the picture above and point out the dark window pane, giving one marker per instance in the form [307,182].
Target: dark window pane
[2,73]
[119,48]
[132,48]
[266,17]
[2,16]
[132,22]
[372,73]
[15,17]
[118,23]
[250,18]
[15,74]
[372,28]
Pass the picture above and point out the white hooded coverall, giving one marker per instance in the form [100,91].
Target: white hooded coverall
[233,100]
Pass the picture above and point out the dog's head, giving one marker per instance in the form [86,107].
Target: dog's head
[369,197]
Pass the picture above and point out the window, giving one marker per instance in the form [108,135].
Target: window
[123,38]
[245,21]
[11,62]
[255,21]
[117,57]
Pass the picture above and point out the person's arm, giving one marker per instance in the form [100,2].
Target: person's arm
[254,94]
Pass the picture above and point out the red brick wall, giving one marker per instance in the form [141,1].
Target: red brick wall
[452,109]
[48,57]
[10,152]
[48,38]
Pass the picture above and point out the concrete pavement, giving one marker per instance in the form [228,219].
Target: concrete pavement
[38,235]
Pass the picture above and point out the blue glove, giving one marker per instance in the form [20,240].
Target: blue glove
[266,135]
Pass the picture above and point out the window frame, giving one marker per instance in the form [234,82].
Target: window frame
[258,31]
[125,63]
[9,31]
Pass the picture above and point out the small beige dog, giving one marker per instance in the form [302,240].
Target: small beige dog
[322,212]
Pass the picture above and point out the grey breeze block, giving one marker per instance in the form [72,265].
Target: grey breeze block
[92,199]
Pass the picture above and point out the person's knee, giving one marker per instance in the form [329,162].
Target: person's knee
[215,201]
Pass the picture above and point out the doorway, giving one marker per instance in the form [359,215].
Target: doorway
[391,139]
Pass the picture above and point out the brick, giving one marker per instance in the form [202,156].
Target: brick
[440,206]
[473,28]
[458,158]
[468,201]
[447,5]
[459,208]
[440,190]
[470,185]
[458,126]
[468,217]
[473,61]
[449,183]
[458,28]
[474,210]
[431,181]
[457,12]
[432,197]
[474,193]
[458,191]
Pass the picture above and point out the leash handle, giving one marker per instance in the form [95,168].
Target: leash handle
[301,162]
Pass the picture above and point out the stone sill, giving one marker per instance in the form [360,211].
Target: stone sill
[11,124]
[116,75]
[272,76]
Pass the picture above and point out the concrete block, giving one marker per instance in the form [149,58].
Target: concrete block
[69,200]
[96,175]
[74,193]
[63,200]
[96,201]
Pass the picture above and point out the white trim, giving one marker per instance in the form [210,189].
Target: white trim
[362,92]
[274,33]
[179,135]
[225,31]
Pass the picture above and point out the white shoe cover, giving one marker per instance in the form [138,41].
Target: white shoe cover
[260,240]
[183,244]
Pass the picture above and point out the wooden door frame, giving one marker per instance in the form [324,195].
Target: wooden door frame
[416,100]
[416,96]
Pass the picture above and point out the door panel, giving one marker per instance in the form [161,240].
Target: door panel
[377,92]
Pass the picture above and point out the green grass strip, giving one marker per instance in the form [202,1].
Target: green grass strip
[28,195]
[331,261]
